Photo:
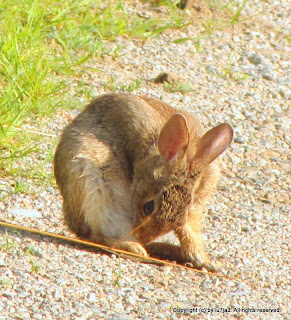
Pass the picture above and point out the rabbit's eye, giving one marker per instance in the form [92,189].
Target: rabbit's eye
[148,208]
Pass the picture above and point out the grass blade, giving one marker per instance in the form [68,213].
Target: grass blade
[238,12]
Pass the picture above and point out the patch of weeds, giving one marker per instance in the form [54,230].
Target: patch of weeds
[179,87]
[86,91]
[21,186]
[8,244]
[220,5]
[131,86]
[238,12]
[227,72]
[230,71]
[31,251]
[40,170]
[117,52]
[17,151]
[117,274]
[6,282]
[111,85]
[10,188]
[200,41]
[35,266]
[229,11]
[209,26]
[5,188]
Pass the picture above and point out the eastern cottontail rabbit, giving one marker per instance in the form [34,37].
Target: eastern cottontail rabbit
[126,159]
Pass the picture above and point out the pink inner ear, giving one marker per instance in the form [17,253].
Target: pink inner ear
[211,145]
[174,137]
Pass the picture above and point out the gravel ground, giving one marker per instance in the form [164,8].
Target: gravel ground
[241,76]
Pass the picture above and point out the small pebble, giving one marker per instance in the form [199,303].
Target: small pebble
[239,140]
[255,59]
[28,213]
[92,297]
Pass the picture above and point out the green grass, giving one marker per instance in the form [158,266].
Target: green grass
[43,42]
[35,265]
[6,282]
[179,87]
[118,274]
[113,85]
[230,12]
[46,47]
[8,244]
[238,12]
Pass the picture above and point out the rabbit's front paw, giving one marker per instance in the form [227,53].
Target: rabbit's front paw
[133,247]
[200,260]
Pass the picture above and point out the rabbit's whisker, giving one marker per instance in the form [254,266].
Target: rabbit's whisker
[139,226]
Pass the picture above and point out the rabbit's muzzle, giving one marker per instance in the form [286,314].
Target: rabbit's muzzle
[151,230]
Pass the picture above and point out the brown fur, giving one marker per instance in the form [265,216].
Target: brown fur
[119,151]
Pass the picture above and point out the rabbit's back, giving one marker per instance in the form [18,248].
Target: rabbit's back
[93,170]
[107,134]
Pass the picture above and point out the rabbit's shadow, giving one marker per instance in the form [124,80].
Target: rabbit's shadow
[165,251]
[159,250]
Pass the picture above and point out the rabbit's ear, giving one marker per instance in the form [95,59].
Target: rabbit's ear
[211,145]
[173,137]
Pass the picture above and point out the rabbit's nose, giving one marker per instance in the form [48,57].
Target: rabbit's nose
[138,234]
